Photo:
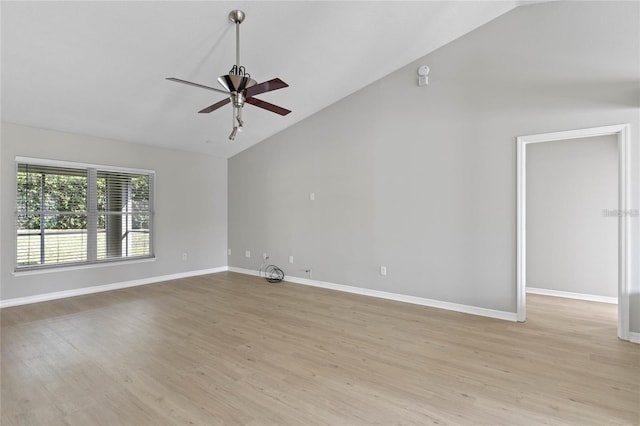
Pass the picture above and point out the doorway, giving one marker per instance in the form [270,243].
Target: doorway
[621,133]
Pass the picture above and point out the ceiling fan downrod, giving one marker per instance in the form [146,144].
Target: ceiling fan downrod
[237,16]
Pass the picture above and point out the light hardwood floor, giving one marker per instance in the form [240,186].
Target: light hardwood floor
[234,349]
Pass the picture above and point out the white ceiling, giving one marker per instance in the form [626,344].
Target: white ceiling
[99,68]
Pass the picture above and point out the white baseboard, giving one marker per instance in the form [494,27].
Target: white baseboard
[569,295]
[106,287]
[634,337]
[246,271]
[473,310]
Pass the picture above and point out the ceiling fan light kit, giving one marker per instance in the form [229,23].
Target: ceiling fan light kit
[239,86]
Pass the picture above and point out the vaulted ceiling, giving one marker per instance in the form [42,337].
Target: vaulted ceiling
[99,68]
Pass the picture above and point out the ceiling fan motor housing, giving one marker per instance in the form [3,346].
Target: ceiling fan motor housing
[236,82]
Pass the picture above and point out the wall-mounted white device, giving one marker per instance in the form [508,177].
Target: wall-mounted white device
[423,75]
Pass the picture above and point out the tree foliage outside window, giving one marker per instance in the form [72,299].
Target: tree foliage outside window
[81,215]
[52,192]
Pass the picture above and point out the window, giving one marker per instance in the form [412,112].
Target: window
[69,213]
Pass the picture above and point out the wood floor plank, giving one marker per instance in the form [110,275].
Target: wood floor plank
[228,348]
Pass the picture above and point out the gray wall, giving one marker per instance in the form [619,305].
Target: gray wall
[423,179]
[191,208]
[571,245]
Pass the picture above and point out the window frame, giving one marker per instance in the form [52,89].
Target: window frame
[91,261]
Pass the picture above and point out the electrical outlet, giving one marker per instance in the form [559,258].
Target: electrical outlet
[228,252]
[290,259]
[264,256]
[247,253]
[184,256]
[383,270]
[312,196]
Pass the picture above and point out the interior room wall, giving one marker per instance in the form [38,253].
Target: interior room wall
[572,238]
[422,180]
[190,209]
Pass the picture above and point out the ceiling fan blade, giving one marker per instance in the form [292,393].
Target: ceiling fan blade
[177,80]
[266,86]
[216,106]
[266,105]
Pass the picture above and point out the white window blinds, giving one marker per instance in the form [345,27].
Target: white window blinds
[77,214]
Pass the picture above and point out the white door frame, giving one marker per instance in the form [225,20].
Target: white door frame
[622,133]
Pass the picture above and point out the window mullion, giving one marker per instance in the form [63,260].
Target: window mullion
[43,180]
[92,216]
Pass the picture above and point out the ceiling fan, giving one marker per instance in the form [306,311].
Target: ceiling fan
[239,86]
